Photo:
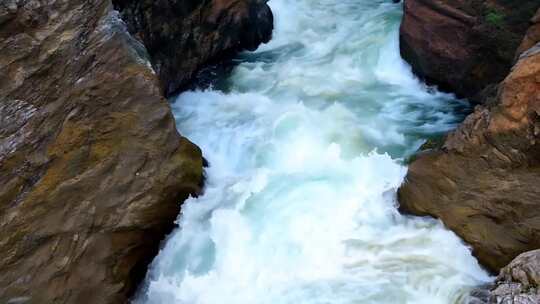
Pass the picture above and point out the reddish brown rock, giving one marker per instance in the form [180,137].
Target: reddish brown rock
[483,183]
[182,35]
[92,168]
[463,46]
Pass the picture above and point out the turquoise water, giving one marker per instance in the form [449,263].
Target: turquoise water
[306,141]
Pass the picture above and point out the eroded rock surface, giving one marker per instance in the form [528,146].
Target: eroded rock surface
[92,168]
[483,183]
[517,283]
[463,46]
[182,35]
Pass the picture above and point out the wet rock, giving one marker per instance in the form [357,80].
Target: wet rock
[483,182]
[182,35]
[463,46]
[92,168]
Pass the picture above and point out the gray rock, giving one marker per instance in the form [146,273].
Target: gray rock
[517,283]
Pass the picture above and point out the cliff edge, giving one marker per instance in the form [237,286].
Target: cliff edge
[483,181]
[92,168]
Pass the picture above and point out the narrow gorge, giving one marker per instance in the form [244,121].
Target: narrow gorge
[306,142]
[253,151]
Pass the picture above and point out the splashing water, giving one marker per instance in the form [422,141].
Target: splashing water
[305,143]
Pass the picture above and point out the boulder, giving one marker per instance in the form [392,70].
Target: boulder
[463,46]
[483,182]
[517,283]
[92,169]
[183,35]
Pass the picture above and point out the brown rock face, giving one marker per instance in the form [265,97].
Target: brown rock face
[483,184]
[463,46]
[182,35]
[92,168]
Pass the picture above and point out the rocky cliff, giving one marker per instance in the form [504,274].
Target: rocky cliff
[483,182]
[182,35]
[92,168]
[464,46]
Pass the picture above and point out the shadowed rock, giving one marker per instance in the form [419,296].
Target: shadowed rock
[463,46]
[483,183]
[182,35]
[532,35]
[92,168]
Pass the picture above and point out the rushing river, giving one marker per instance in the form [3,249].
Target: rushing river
[306,142]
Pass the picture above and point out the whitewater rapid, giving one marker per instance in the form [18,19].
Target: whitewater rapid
[306,142]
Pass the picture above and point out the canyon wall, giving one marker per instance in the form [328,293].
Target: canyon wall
[92,168]
[483,181]
[182,35]
[464,46]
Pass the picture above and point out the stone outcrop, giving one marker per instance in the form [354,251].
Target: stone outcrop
[483,182]
[463,46]
[182,35]
[92,168]
[517,283]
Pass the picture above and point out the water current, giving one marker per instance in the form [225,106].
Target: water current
[307,141]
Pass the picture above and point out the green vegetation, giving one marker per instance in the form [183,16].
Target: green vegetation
[495,18]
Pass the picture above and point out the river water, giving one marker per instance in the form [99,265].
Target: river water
[306,142]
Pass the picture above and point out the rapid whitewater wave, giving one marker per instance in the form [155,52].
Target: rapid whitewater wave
[306,141]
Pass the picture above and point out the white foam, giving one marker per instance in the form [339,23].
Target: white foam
[304,155]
